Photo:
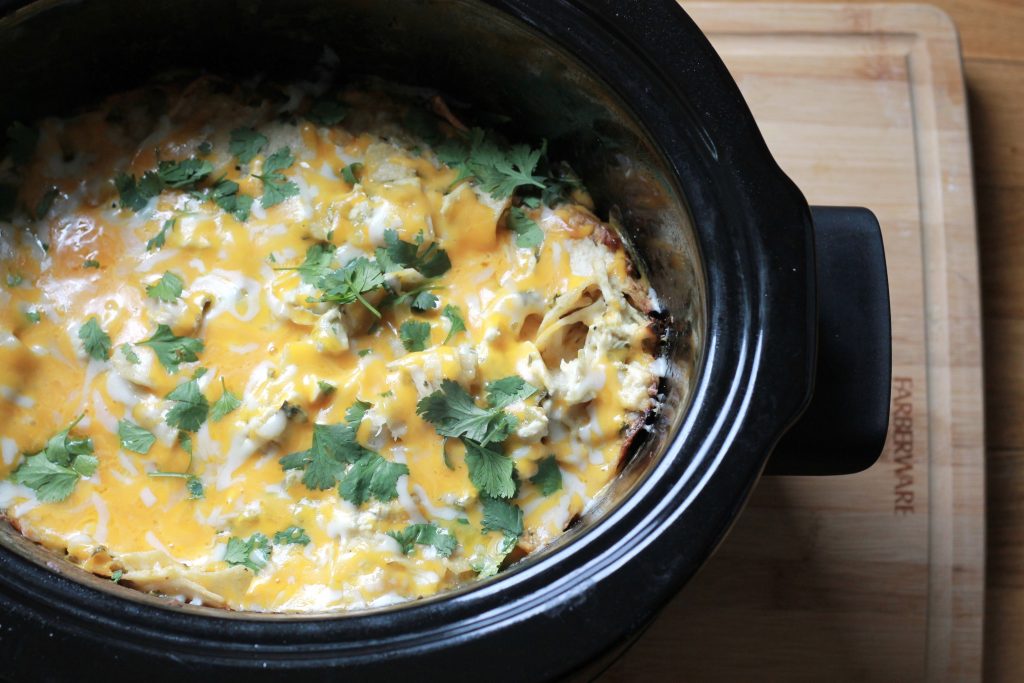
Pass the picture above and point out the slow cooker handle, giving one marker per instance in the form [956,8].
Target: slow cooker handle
[843,429]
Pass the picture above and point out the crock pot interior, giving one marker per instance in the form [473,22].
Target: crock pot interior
[59,55]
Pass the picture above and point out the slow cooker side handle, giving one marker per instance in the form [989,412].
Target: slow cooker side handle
[843,429]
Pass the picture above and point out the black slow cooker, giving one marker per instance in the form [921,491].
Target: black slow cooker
[772,311]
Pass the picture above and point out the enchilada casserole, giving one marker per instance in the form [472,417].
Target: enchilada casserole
[297,348]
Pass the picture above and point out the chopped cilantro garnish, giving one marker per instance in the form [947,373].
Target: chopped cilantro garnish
[167,289]
[91,263]
[172,350]
[276,187]
[54,471]
[414,334]
[116,575]
[506,391]
[397,254]
[490,470]
[371,477]
[135,438]
[326,388]
[364,352]
[245,144]
[94,339]
[293,535]
[183,174]
[319,258]
[453,412]
[501,515]
[193,484]
[14,279]
[190,407]
[225,404]
[350,171]
[325,112]
[252,553]
[528,233]
[32,316]
[496,170]
[349,283]
[225,194]
[336,457]
[129,354]
[425,534]
[548,477]
[454,316]
[161,237]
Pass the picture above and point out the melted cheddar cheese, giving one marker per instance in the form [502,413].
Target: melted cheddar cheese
[82,258]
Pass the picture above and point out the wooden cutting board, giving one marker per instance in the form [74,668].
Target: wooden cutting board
[877,576]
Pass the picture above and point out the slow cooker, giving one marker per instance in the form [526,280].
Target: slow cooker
[776,319]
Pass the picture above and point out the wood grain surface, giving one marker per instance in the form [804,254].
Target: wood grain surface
[877,576]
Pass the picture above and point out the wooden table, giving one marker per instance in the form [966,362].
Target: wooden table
[991,33]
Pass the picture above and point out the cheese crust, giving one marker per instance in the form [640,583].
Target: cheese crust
[569,316]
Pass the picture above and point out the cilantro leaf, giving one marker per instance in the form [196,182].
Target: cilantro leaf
[172,350]
[245,144]
[371,477]
[424,301]
[319,258]
[129,354]
[490,470]
[32,316]
[276,187]
[332,448]
[167,289]
[193,484]
[116,575]
[225,194]
[161,237]
[225,404]
[94,339]
[549,477]
[51,482]
[508,390]
[397,254]
[183,174]
[497,171]
[453,412]
[21,142]
[190,407]
[425,534]
[349,172]
[293,535]
[501,515]
[54,471]
[528,233]
[414,334]
[326,388]
[454,316]
[349,283]
[61,448]
[326,112]
[91,263]
[135,438]
[252,553]
[135,196]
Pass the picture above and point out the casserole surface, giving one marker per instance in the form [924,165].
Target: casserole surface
[293,349]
